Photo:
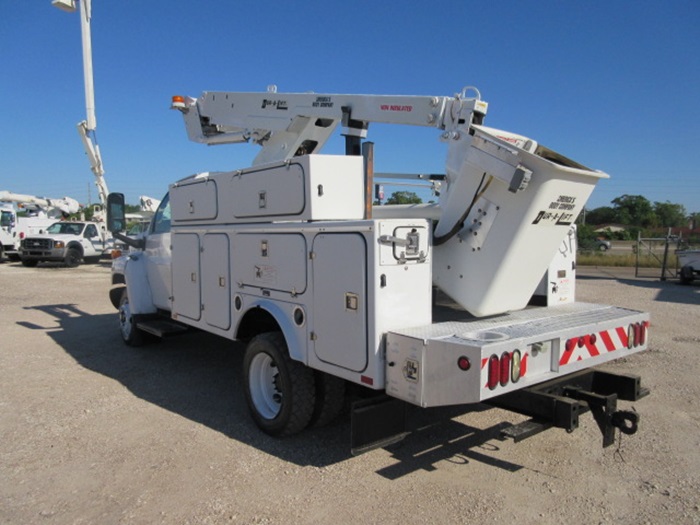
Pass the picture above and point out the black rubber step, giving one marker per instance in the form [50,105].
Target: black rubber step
[161,327]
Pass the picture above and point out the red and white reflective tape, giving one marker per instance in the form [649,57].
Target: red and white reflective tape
[593,345]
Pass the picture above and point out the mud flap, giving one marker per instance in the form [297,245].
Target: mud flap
[377,422]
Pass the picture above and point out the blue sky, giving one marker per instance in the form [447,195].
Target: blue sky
[610,84]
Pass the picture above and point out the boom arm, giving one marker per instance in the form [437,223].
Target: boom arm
[290,124]
[86,128]
[64,205]
[92,151]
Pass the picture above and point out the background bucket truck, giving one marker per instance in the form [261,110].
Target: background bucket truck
[42,212]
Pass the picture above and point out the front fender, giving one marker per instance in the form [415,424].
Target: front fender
[137,285]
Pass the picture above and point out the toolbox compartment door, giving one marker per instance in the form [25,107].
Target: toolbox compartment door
[194,201]
[340,299]
[187,298]
[216,283]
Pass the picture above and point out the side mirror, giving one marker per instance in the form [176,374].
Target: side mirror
[116,219]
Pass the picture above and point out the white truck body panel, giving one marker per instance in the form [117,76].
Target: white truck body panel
[688,258]
[350,286]
[312,187]
[558,285]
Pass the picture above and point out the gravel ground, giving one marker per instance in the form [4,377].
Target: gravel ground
[92,431]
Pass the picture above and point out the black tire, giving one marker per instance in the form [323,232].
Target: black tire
[72,258]
[687,275]
[330,399]
[115,296]
[2,254]
[603,248]
[280,392]
[30,263]
[131,335]
[13,257]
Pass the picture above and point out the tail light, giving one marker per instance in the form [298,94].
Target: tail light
[505,368]
[516,366]
[463,363]
[494,372]
[630,336]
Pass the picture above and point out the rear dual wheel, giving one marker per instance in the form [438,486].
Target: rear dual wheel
[330,399]
[280,391]
[285,396]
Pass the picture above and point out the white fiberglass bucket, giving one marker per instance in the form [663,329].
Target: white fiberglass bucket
[516,201]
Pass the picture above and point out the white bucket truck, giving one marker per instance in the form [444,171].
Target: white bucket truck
[327,290]
[41,212]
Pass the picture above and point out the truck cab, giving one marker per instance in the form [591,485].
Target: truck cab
[64,241]
[8,221]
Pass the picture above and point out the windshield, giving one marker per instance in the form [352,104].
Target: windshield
[161,220]
[137,228]
[72,228]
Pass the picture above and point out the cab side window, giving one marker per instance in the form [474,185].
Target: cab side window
[6,219]
[161,220]
[90,231]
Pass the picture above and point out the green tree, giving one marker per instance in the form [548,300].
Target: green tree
[694,220]
[634,210]
[670,215]
[602,215]
[404,197]
[586,235]
[89,212]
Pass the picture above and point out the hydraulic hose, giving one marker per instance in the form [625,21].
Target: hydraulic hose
[442,239]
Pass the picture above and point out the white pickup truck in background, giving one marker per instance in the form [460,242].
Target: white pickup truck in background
[68,242]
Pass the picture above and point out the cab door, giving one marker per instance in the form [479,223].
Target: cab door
[158,256]
[92,241]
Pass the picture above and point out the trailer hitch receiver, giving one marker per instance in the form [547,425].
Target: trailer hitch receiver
[558,403]
[626,420]
[605,413]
